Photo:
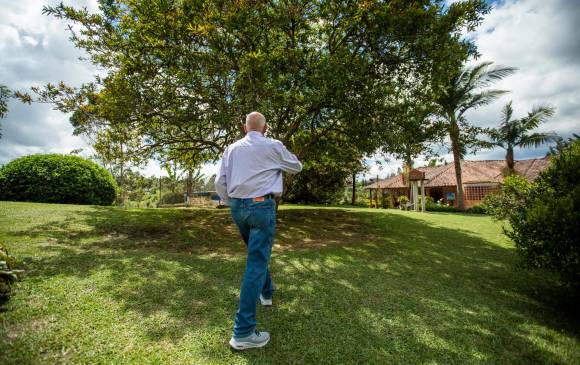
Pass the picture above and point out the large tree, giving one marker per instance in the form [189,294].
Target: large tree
[325,173]
[468,89]
[513,133]
[412,132]
[182,74]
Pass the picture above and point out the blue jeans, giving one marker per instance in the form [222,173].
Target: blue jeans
[256,222]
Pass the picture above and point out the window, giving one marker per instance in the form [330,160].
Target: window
[478,192]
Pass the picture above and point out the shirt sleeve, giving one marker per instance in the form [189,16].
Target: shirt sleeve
[220,181]
[288,161]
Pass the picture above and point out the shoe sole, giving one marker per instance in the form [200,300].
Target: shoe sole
[241,346]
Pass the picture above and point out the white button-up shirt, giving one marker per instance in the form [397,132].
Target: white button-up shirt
[252,167]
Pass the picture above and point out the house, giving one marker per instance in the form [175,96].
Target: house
[480,178]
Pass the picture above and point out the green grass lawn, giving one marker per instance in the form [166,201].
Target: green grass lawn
[105,285]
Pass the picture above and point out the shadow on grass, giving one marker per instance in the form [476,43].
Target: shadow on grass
[353,286]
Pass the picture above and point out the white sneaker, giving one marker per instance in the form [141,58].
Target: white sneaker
[255,340]
[265,302]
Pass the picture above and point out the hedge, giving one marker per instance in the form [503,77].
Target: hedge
[54,178]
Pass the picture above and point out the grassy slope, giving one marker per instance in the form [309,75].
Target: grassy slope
[106,285]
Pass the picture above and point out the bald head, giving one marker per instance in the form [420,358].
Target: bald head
[255,121]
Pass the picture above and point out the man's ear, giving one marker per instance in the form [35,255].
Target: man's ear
[265,129]
[245,128]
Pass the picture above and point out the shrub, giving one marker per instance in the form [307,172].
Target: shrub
[403,199]
[151,200]
[7,275]
[360,202]
[544,216]
[387,203]
[172,198]
[56,178]
[381,202]
[477,209]
[510,200]
[441,208]
[428,200]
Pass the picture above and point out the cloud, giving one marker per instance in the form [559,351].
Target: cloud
[35,50]
[540,38]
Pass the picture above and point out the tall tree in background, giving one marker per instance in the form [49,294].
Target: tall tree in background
[467,90]
[414,124]
[112,148]
[513,133]
[174,174]
[195,181]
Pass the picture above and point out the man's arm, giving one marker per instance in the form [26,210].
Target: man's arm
[220,181]
[288,161]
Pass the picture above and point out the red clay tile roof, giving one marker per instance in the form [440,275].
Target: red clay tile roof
[486,171]
[532,168]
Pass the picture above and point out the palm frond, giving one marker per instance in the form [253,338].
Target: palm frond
[537,116]
[475,73]
[484,74]
[482,98]
[507,113]
[537,139]
[497,73]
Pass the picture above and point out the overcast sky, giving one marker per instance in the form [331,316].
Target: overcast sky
[540,38]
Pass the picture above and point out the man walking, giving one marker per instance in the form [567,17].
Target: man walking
[249,178]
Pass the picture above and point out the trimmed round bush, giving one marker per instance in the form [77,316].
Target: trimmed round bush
[54,178]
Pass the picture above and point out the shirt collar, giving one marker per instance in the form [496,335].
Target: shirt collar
[254,134]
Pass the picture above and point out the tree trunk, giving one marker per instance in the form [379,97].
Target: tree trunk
[122,183]
[377,194]
[409,161]
[353,188]
[189,187]
[286,185]
[509,159]
[159,191]
[122,177]
[454,135]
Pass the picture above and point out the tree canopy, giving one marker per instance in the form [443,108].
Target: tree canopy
[179,76]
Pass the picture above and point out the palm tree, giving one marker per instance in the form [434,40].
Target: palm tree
[467,90]
[513,133]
